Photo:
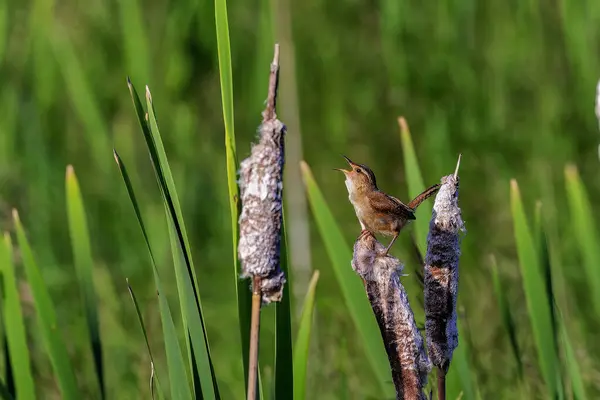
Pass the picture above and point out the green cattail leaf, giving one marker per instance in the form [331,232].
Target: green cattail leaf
[189,295]
[47,318]
[243,295]
[84,265]
[507,319]
[155,382]
[138,215]
[14,325]
[284,358]
[187,284]
[544,259]
[358,305]
[303,339]
[585,232]
[534,285]
[572,365]
[180,388]
[415,185]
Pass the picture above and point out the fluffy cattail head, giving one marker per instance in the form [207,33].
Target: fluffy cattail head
[403,342]
[441,274]
[261,187]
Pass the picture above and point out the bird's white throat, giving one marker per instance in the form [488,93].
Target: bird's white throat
[350,188]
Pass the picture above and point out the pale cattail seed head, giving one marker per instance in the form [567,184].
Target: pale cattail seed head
[403,342]
[261,189]
[261,186]
[441,274]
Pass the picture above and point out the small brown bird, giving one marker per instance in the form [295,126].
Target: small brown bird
[377,211]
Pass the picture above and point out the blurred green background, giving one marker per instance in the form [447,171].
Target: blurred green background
[509,84]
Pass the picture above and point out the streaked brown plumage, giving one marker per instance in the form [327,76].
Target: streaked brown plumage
[377,211]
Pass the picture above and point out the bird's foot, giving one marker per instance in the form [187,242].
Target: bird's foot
[364,233]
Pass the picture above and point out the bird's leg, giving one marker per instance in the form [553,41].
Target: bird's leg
[391,243]
[363,233]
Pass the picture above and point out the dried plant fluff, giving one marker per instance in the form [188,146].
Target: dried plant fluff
[261,186]
[441,274]
[403,342]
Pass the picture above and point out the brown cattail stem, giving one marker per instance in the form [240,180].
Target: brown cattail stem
[441,389]
[254,334]
[403,342]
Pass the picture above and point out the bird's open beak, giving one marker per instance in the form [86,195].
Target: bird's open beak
[349,161]
[346,172]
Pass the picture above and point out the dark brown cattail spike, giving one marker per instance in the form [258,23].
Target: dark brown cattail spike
[403,342]
[441,277]
[261,219]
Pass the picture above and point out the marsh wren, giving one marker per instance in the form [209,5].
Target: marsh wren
[377,211]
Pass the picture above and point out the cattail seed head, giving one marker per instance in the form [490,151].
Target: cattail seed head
[441,274]
[261,189]
[261,186]
[403,342]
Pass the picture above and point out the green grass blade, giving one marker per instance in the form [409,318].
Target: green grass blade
[14,325]
[243,295]
[507,319]
[10,379]
[303,339]
[154,380]
[585,231]
[142,119]
[284,358]
[47,318]
[192,316]
[84,265]
[187,283]
[180,388]
[544,259]
[341,256]
[415,185]
[225,75]
[534,285]
[572,366]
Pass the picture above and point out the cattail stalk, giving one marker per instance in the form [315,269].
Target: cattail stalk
[261,218]
[441,277]
[403,342]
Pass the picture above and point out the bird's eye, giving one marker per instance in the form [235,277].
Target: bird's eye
[358,170]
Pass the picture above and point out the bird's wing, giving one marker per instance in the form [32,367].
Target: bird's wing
[389,204]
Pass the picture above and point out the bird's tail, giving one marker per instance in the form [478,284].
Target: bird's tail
[416,202]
